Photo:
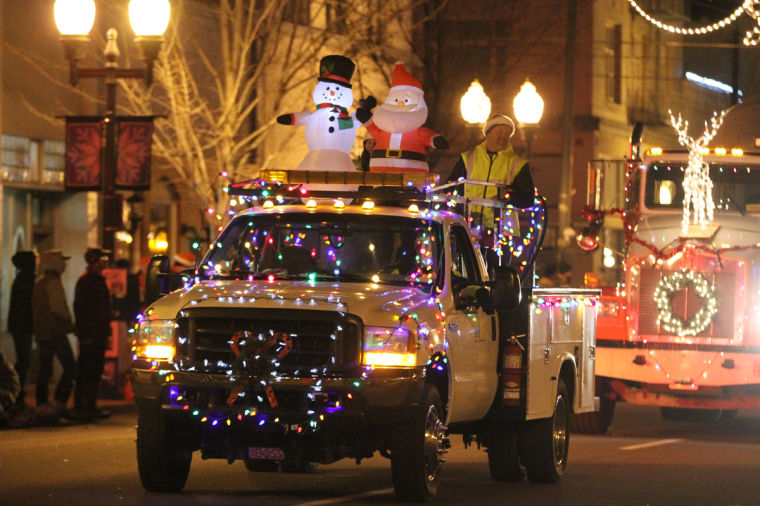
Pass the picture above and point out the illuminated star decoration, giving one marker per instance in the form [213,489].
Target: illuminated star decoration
[697,184]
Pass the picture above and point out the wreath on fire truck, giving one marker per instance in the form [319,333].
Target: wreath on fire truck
[663,297]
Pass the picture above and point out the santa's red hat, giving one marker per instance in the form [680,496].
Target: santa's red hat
[403,80]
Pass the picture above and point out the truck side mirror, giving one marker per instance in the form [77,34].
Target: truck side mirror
[483,296]
[156,278]
[506,292]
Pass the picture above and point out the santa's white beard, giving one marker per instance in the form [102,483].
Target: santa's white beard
[399,121]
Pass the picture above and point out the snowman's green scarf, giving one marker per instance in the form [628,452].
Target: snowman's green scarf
[344,120]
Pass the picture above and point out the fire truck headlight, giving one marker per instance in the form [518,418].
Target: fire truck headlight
[155,340]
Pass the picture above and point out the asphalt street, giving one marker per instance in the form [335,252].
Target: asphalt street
[641,461]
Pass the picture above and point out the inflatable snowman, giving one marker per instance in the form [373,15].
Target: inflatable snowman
[331,130]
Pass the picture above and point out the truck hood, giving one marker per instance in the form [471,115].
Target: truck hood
[375,304]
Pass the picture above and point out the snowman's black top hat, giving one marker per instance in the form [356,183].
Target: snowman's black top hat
[337,69]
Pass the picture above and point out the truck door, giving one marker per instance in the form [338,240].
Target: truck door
[474,349]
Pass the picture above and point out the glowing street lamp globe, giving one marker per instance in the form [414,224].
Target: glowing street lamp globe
[475,104]
[528,104]
[149,18]
[74,17]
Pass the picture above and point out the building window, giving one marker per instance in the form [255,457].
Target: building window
[53,162]
[15,158]
[614,63]
[297,11]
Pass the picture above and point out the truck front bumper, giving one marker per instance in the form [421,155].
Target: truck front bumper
[376,398]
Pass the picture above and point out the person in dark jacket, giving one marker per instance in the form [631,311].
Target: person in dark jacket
[20,322]
[92,313]
[52,321]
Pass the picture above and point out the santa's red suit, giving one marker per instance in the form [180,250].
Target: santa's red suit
[402,141]
[400,152]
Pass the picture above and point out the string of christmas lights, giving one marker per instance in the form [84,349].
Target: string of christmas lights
[750,7]
[666,290]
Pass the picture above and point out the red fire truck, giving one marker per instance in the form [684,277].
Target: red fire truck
[681,330]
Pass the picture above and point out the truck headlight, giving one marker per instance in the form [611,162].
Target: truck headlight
[155,340]
[390,347]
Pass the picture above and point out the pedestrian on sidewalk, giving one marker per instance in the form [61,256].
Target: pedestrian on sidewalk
[20,323]
[52,321]
[92,313]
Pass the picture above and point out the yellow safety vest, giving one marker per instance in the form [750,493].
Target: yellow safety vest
[503,168]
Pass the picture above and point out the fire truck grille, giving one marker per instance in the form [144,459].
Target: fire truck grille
[324,343]
[686,302]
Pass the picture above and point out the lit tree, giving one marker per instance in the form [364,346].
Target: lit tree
[222,98]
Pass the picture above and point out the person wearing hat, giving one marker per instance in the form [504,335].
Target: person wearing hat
[52,321]
[495,161]
[20,324]
[368,144]
[92,313]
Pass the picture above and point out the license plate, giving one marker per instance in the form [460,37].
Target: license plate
[263,453]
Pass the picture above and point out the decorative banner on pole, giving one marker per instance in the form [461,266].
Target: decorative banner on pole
[84,140]
[134,142]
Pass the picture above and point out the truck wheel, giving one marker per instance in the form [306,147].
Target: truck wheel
[417,449]
[544,443]
[162,461]
[260,466]
[596,422]
[503,457]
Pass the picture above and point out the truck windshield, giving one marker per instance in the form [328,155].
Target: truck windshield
[316,246]
[735,187]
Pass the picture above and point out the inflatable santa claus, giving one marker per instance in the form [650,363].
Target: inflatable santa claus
[402,141]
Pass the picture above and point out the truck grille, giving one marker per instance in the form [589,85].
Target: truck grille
[687,302]
[324,343]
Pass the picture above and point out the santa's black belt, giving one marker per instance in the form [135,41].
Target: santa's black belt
[397,153]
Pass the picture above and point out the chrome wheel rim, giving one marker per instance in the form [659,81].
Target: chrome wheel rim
[560,432]
[435,435]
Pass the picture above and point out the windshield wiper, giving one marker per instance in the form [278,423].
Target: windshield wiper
[343,276]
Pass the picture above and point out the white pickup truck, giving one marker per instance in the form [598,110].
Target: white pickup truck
[317,330]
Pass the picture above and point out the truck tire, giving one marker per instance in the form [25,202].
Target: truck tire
[163,463]
[503,456]
[417,449]
[544,443]
[596,422]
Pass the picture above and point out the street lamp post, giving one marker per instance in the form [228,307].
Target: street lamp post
[74,19]
[529,107]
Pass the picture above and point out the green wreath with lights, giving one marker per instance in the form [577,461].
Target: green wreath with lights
[663,297]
